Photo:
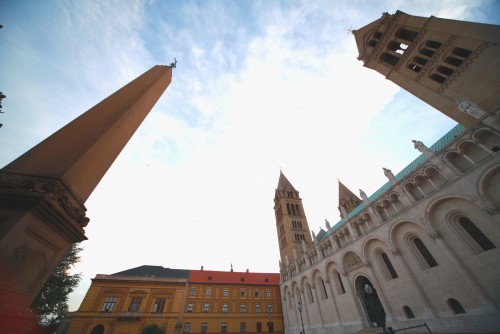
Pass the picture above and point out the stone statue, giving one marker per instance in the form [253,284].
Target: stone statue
[389,175]
[471,109]
[328,226]
[422,148]
[343,211]
[363,195]
[294,254]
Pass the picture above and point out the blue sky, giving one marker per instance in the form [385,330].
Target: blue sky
[260,85]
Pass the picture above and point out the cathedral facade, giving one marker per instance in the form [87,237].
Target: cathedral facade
[424,247]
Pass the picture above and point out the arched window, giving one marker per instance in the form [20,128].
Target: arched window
[310,294]
[437,78]
[433,44]
[424,252]
[475,233]
[453,61]
[455,306]
[388,265]
[427,52]
[340,284]
[408,312]
[461,52]
[406,34]
[99,329]
[324,295]
[415,68]
[420,60]
[389,59]
[444,70]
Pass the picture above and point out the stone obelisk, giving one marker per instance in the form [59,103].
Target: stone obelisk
[42,193]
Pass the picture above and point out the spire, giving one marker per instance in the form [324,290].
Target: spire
[347,200]
[346,194]
[283,182]
[81,152]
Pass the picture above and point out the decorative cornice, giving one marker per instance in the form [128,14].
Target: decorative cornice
[491,210]
[434,235]
[55,189]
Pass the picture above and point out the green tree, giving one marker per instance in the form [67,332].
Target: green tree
[51,304]
[153,329]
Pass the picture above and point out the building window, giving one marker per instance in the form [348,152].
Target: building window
[408,312]
[243,327]
[444,70]
[193,292]
[223,327]
[438,78]
[406,34]
[269,308]
[206,308]
[268,293]
[257,308]
[243,308]
[324,295]
[243,293]
[187,327]
[310,293]
[256,293]
[190,307]
[424,252]
[463,53]
[420,60]
[389,59]
[259,327]
[226,292]
[159,305]
[340,286]
[135,303]
[224,308]
[475,233]
[433,44]
[204,327]
[208,292]
[388,266]
[99,329]
[109,304]
[455,306]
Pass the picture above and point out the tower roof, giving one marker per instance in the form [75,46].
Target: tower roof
[283,182]
[345,193]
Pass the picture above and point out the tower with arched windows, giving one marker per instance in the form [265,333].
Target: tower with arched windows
[291,222]
[443,62]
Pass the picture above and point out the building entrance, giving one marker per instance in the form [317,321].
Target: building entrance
[374,310]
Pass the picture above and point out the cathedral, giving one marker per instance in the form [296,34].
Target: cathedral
[422,251]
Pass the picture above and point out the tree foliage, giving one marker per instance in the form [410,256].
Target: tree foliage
[153,329]
[51,304]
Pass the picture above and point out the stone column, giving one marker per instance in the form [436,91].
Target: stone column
[317,303]
[334,303]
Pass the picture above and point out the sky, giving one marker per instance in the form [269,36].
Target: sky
[260,86]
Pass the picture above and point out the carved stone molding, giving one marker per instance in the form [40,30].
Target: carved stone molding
[351,261]
[55,189]
[434,235]
[396,251]
[491,210]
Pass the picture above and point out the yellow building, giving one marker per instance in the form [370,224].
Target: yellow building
[233,302]
[126,301]
[180,301]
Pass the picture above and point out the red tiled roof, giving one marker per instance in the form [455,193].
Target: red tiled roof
[225,277]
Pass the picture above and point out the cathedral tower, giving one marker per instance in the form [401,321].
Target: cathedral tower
[291,222]
[449,64]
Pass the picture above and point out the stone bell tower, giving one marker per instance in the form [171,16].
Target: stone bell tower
[42,193]
[291,222]
[445,63]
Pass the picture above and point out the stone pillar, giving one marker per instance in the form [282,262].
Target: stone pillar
[317,303]
[335,308]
